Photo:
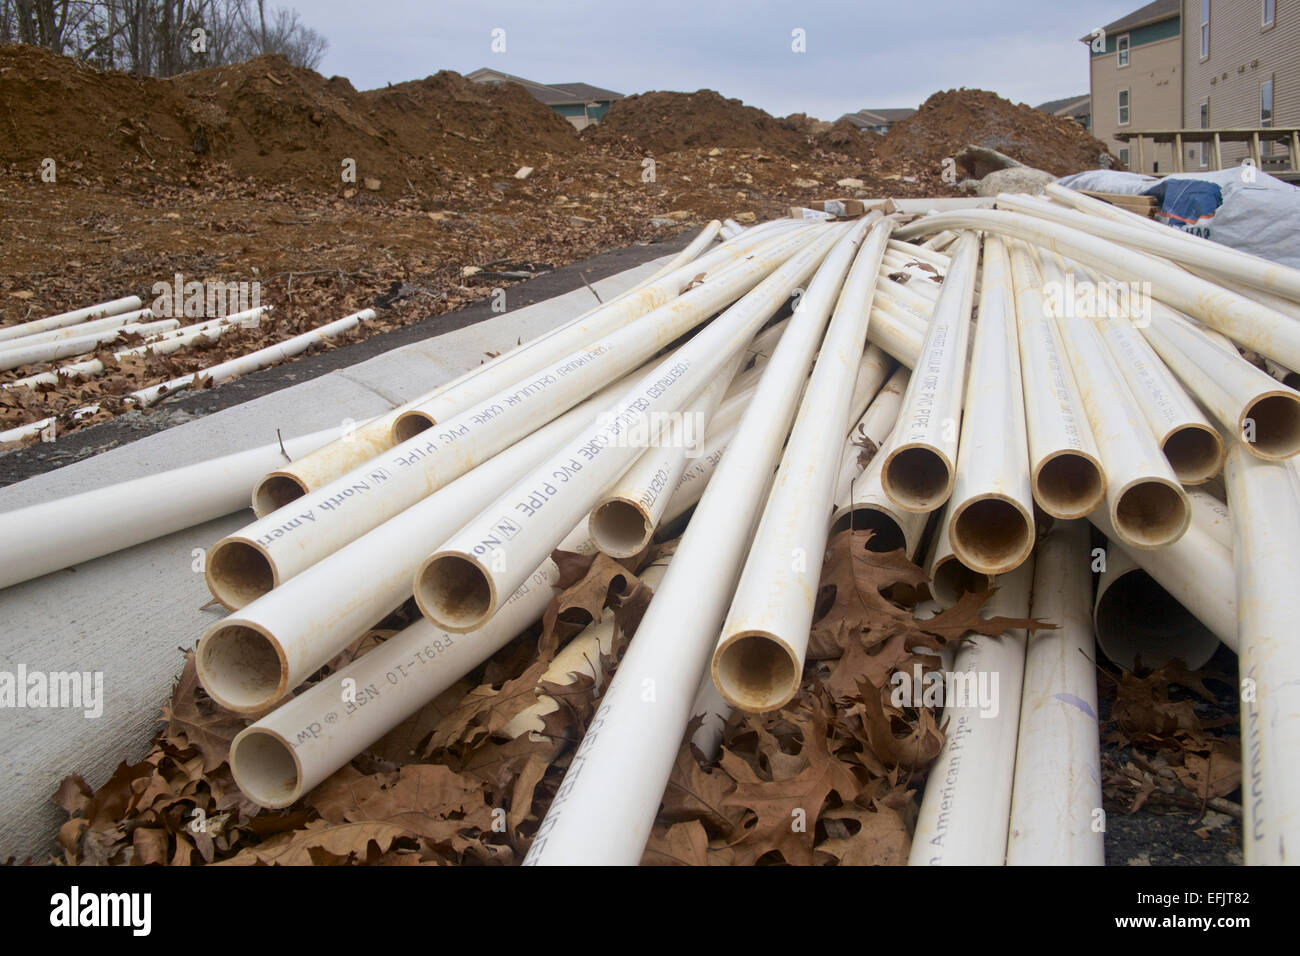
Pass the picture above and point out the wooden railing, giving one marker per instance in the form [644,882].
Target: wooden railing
[1289,136]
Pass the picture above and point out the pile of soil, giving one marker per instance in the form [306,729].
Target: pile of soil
[268,120]
[949,120]
[665,122]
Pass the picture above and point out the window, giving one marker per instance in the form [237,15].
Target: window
[1266,102]
[1123,158]
[1123,107]
[1205,29]
[1121,48]
[1205,124]
[1267,13]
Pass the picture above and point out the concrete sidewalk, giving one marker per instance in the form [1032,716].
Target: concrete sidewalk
[128,614]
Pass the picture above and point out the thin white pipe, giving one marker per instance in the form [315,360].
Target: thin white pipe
[1265,502]
[918,474]
[314,471]
[924,253]
[940,241]
[1243,320]
[950,577]
[278,638]
[299,744]
[1249,403]
[1065,465]
[1056,793]
[81,330]
[282,544]
[163,344]
[1145,501]
[758,661]
[992,509]
[1211,514]
[49,351]
[1196,570]
[57,534]
[868,434]
[610,795]
[870,509]
[64,319]
[965,811]
[462,581]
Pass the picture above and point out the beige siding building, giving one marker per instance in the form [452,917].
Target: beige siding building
[1241,68]
[1137,81]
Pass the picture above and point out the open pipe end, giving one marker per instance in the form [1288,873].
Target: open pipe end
[950,579]
[1138,621]
[410,424]
[1273,421]
[241,667]
[887,534]
[1195,453]
[276,490]
[1069,485]
[756,672]
[620,527]
[992,535]
[455,592]
[917,478]
[265,768]
[238,572]
[1151,513]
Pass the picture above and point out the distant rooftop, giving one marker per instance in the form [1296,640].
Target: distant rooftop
[1151,13]
[878,117]
[552,94]
[1069,106]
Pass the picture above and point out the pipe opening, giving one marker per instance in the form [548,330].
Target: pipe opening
[274,492]
[240,668]
[756,673]
[1151,514]
[238,573]
[1138,621]
[950,579]
[265,768]
[918,479]
[1068,486]
[455,593]
[886,533]
[1195,453]
[1277,425]
[619,528]
[410,424]
[991,535]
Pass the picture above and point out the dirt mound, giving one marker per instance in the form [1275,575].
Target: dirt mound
[664,122]
[271,121]
[949,120]
[843,137]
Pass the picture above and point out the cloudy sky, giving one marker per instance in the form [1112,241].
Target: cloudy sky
[860,53]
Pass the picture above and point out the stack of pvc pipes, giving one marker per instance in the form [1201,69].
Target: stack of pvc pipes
[1021,373]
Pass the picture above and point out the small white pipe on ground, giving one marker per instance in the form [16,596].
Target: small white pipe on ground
[49,351]
[82,330]
[65,319]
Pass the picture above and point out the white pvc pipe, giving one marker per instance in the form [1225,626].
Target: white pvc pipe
[991,529]
[869,508]
[758,662]
[1196,570]
[66,531]
[1056,793]
[1211,514]
[81,330]
[919,471]
[1265,502]
[1138,623]
[283,543]
[950,577]
[1243,320]
[164,344]
[461,583]
[606,805]
[291,750]
[867,437]
[966,808]
[1145,501]
[64,319]
[78,345]
[1249,403]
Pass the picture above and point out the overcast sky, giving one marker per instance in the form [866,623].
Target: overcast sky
[860,53]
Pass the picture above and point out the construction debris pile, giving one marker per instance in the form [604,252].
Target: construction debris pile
[764,674]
